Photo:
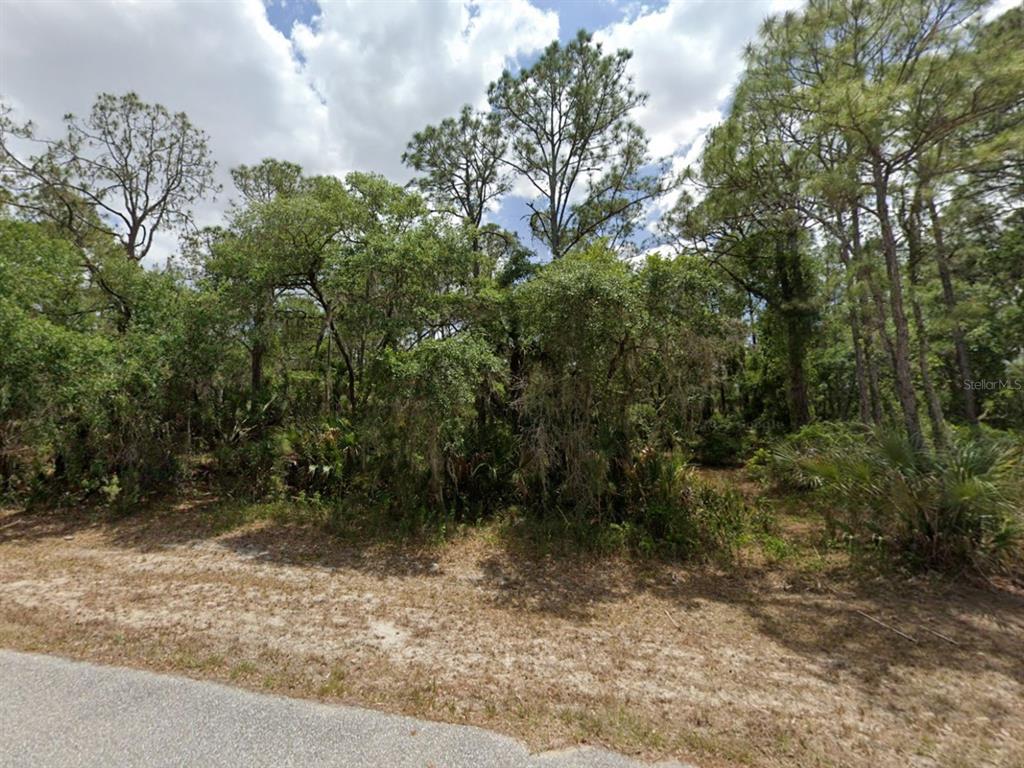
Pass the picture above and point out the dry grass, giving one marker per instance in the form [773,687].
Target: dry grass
[764,665]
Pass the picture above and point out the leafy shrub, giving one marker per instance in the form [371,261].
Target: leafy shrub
[578,313]
[248,450]
[960,509]
[425,459]
[1007,406]
[720,441]
[672,511]
[314,461]
[784,464]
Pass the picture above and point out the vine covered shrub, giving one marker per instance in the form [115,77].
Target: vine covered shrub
[579,315]
[424,457]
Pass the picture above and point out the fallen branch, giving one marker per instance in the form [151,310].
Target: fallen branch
[671,619]
[939,634]
[881,623]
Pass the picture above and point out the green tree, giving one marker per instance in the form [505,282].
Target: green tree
[461,162]
[749,223]
[573,140]
[127,170]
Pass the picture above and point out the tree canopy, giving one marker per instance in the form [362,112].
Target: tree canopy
[847,248]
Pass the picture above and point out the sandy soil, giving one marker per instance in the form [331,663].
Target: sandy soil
[755,666]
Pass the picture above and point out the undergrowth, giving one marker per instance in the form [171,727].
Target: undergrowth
[954,509]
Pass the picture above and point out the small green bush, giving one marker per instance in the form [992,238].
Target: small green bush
[784,465]
[315,460]
[720,441]
[674,512]
[959,509]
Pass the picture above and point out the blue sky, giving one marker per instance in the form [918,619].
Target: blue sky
[585,14]
[284,14]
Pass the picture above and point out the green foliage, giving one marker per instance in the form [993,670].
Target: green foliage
[848,247]
[123,173]
[606,399]
[720,441]
[962,508]
[573,139]
[462,163]
[673,512]
[784,464]
[316,461]
[578,314]
[669,512]
[425,456]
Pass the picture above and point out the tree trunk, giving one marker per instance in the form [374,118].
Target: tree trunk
[866,321]
[863,396]
[256,355]
[963,360]
[799,409]
[911,222]
[793,311]
[931,397]
[874,387]
[859,369]
[904,380]
[876,321]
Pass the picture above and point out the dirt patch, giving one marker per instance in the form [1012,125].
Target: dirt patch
[753,666]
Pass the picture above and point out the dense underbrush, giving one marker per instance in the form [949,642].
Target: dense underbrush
[957,508]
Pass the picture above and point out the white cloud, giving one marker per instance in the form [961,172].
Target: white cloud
[999,7]
[348,89]
[386,74]
[222,63]
[687,56]
[369,74]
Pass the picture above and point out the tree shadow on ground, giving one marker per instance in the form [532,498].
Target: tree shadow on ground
[837,634]
[205,519]
[834,623]
[848,624]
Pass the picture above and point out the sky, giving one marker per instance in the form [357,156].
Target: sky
[341,85]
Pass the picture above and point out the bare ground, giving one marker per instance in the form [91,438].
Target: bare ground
[763,665]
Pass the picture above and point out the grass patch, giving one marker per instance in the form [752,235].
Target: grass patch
[242,670]
[192,662]
[334,686]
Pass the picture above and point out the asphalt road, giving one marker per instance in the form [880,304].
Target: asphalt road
[56,713]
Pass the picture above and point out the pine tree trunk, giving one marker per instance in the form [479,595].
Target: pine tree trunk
[911,222]
[863,396]
[931,397]
[963,360]
[868,322]
[793,295]
[874,387]
[256,368]
[904,380]
[860,372]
